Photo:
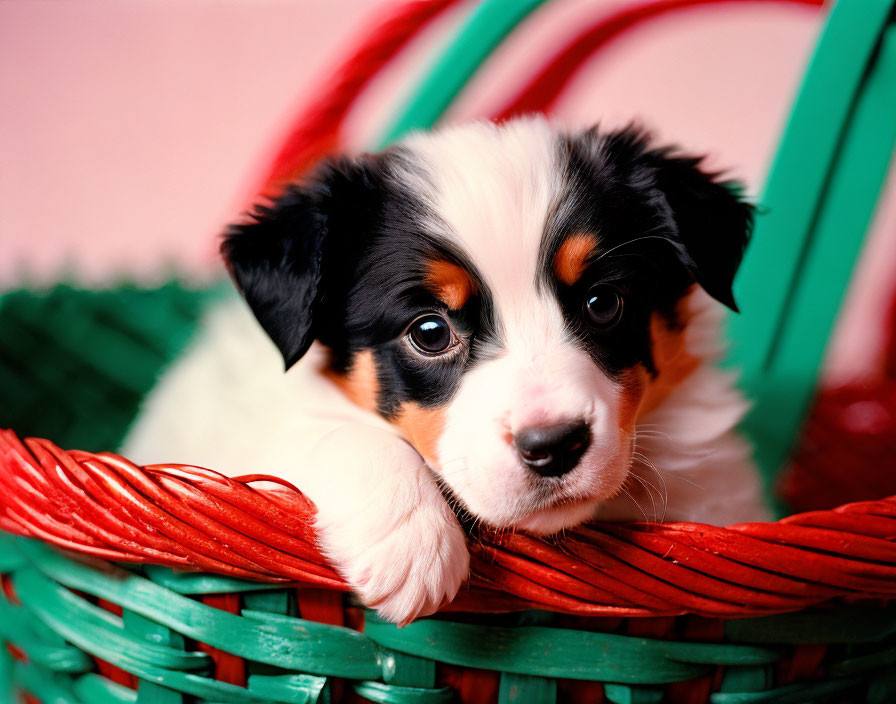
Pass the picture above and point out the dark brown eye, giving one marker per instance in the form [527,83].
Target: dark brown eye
[603,306]
[431,334]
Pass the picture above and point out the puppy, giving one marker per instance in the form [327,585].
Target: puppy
[515,317]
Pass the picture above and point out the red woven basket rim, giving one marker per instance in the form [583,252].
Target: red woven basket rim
[191,518]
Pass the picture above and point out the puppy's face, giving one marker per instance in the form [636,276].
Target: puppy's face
[509,297]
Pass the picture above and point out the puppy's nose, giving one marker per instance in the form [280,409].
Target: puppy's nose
[554,449]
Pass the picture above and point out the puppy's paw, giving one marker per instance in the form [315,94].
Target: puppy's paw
[404,560]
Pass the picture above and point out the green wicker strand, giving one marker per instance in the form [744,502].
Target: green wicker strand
[855,624]
[43,684]
[842,219]
[6,675]
[627,694]
[290,689]
[796,181]
[799,693]
[144,629]
[159,685]
[525,689]
[96,689]
[269,638]
[819,200]
[882,689]
[319,648]
[66,612]
[489,23]
[406,679]
[393,694]
[280,601]
[573,654]
[408,670]
[200,582]
[45,647]
[881,660]
[747,679]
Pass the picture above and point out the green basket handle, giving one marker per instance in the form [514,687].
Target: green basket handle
[819,198]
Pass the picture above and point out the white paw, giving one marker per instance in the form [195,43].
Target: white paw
[404,559]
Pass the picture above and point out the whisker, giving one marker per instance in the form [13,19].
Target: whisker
[637,239]
[652,434]
[689,481]
[645,460]
[647,487]
[623,490]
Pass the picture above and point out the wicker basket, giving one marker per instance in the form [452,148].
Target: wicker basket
[622,613]
[176,585]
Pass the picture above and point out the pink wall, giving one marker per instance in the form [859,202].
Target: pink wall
[130,131]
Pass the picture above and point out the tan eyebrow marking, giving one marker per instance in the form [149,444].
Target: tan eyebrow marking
[451,283]
[572,257]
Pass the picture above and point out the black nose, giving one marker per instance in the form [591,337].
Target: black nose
[555,449]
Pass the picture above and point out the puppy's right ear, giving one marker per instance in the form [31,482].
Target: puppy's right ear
[276,260]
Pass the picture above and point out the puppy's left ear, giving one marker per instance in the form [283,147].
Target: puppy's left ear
[713,221]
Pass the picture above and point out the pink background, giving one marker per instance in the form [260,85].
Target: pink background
[130,132]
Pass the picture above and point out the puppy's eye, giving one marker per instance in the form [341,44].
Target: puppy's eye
[603,306]
[431,334]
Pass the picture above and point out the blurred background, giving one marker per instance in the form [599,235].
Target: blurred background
[131,132]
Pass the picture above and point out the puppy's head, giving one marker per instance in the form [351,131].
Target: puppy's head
[508,296]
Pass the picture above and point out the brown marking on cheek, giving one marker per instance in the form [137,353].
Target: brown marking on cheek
[452,284]
[360,383]
[673,362]
[572,257]
[422,427]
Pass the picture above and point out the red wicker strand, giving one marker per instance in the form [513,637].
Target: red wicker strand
[197,519]
[544,89]
[315,131]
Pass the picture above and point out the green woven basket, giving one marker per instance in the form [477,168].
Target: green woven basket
[76,629]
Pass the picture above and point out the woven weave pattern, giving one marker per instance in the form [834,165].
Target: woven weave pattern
[89,634]
[103,505]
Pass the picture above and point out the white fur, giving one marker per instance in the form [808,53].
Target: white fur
[493,190]
[227,405]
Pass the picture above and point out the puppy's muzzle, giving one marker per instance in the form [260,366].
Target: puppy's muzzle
[553,450]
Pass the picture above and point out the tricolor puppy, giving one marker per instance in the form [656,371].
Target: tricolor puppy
[515,317]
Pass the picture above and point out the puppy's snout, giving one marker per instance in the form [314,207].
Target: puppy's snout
[553,450]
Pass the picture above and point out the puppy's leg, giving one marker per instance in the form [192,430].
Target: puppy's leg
[384,523]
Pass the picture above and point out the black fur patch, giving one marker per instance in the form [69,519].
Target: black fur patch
[343,259]
[662,224]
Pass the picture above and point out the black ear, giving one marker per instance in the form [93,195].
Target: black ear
[276,260]
[713,221]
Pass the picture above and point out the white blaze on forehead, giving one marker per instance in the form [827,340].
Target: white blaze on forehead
[492,190]
[494,187]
